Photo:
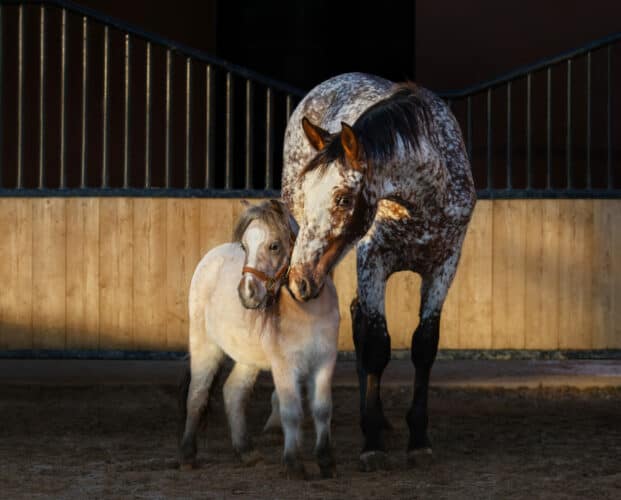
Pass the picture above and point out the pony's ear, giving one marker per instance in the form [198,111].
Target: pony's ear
[244,203]
[351,146]
[277,205]
[315,135]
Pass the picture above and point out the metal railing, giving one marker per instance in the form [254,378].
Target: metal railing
[145,128]
[530,133]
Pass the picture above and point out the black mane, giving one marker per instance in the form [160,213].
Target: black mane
[402,117]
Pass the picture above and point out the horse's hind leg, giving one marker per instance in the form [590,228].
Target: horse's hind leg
[204,364]
[236,389]
[290,401]
[320,393]
[424,349]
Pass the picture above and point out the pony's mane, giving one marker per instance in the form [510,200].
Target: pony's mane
[272,212]
[400,120]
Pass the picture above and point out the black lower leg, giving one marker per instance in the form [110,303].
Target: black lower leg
[424,349]
[372,355]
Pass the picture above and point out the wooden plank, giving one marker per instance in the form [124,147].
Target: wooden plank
[542,275]
[449,321]
[606,274]
[49,276]
[508,274]
[149,284]
[116,273]
[82,301]
[346,282]
[475,291]
[182,256]
[575,304]
[402,307]
[16,273]
[216,222]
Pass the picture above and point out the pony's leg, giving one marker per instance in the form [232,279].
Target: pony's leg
[273,422]
[290,400]
[236,390]
[375,263]
[434,289]
[320,393]
[204,364]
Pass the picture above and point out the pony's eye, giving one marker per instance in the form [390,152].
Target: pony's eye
[343,201]
[275,247]
[243,247]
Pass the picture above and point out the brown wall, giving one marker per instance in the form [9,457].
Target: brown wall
[113,273]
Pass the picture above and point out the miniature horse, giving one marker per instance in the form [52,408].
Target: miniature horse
[397,183]
[238,308]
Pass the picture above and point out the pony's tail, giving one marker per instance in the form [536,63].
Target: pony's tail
[184,387]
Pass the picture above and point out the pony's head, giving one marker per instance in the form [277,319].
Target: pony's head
[336,207]
[266,233]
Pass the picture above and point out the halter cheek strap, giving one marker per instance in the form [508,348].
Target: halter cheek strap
[269,282]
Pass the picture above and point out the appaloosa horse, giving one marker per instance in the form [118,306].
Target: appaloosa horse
[397,182]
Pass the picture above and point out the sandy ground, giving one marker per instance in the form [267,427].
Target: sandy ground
[120,442]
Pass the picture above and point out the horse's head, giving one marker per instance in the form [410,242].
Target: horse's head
[335,207]
[266,233]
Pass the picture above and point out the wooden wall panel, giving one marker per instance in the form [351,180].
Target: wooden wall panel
[116,273]
[113,273]
[16,273]
[82,300]
[508,272]
[49,273]
[182,255]
[541,313]
[149,286]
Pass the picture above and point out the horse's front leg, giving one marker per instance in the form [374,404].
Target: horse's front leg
[372,344]
[320,394]
[236,390]
[424,349]
[290,402]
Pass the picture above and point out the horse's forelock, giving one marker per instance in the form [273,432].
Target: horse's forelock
[271,212]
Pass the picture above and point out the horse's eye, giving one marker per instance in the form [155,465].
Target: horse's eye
[275,247]
[343,201]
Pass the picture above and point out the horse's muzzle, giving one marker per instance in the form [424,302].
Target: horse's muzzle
[251,293]
[302,285]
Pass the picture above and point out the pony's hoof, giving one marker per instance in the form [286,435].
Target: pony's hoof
[187,465]
[295,471]
[371,461]
[250,458]
[420,457]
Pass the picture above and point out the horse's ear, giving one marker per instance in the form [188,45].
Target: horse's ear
[315,135]
[351,146]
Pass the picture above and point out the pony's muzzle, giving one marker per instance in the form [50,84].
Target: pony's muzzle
[251,292]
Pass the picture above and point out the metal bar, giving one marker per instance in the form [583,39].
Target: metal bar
[269,139]
[84,144]
[249,134]
[568,130]
[588,122]
[188,121]
[228,161]
[20,98]
[170,45]
[549,128]
[609,177]
[1,97]
[63,101]
[529,134]
[210,165]
[105,105]
[127,113]
[168,145]
[509,180]
[489,139]
[289,105]
[532,68]
[147,119]
[42,98]
[469,126]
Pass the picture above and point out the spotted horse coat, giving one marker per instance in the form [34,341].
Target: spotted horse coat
[382,166]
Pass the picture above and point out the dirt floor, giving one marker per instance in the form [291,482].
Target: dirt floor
[120,442]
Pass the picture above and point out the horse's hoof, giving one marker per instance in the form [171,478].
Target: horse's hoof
[420,457]
[295,470]
[187,465]
[251,457]
[371,461]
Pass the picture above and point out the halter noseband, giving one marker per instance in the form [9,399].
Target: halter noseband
[270,282]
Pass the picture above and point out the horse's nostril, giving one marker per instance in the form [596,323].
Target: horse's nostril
[303,287]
